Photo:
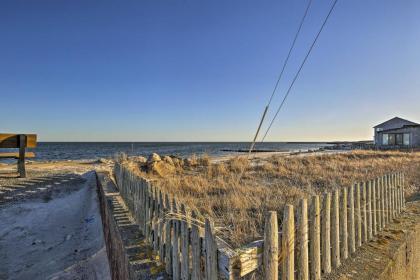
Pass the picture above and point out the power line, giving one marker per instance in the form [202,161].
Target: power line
[300,68]
[290,51]
[280,76]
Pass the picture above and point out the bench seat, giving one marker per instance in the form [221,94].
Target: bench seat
[16,155]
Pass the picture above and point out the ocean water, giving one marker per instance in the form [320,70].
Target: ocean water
[95,150]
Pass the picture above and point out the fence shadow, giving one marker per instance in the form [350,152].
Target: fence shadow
[12,189]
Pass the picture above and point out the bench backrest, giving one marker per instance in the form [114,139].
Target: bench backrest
[12,140]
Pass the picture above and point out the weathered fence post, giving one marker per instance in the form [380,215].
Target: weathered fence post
[141,205]
[326,233]
[378,204]
[358,217]
[401,192]
[386,191]
[121,187]
[168,235]
[374,208]
[369,211]
[137,205]
[399,199]
[364,214]
[392,196]
[351,224]
[155,236]
[315,240]
[185,244]
[288,243]
[135,201]
[195,249]
[399,178]
[271,247]
[161,227]
[389,183]
[335,229]
[396,200]
[403,189]
[385,200]
[303,271]
[395,186]
[397,195]
[383,203]
[147,211]
[211,251]
[129,198]
[343,225]
[176,273]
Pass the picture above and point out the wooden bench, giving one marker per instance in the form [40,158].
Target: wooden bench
[21,142]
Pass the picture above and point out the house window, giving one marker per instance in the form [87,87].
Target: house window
[379,129]
[391,139]
[385,139]
[399,139]
[396,139]
[406,139]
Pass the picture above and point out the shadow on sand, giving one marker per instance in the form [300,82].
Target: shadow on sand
[36,187]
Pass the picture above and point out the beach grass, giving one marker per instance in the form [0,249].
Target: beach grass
[237,192]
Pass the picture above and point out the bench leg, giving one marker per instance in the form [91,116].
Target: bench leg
[21,160]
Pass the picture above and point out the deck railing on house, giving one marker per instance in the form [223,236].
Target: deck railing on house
[314,238]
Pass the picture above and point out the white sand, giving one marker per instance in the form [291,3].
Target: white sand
[56,239]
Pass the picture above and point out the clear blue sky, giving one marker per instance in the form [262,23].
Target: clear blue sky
[194,70]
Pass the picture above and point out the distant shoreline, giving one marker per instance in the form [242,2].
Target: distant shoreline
[50,151]
[203,142]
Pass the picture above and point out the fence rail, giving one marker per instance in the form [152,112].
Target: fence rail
[312,240]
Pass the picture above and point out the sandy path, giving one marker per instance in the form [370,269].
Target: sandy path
[56,238]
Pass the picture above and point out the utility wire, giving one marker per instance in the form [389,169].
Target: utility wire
[280,76]
[300,68]
[290,52]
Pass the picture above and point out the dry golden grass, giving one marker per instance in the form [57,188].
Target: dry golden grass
[238,203]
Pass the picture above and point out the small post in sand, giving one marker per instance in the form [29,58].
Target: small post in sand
[315,230]
[303,271]
[344,248]
[335,229]
[326,234]
[271,247]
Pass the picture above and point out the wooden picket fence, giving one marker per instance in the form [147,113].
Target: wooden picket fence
[334,227]
[314,239]
[187,247]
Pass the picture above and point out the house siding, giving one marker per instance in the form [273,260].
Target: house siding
[413,131]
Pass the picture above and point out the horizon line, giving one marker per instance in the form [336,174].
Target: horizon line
[291,142]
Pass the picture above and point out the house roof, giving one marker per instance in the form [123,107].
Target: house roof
[406,122]
[399,128]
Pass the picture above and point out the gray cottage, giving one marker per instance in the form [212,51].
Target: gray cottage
[397,133]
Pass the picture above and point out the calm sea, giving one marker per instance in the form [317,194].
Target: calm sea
[95,150]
